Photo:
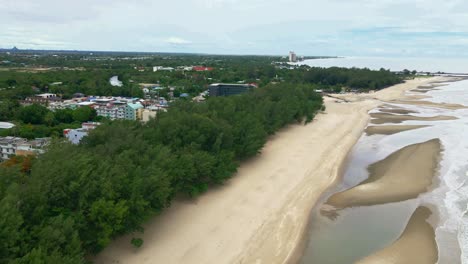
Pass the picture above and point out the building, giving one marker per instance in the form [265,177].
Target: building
[8,146]
[32,147]
[224,89]
[148,114]
[132,111]
[162,68]
[76,135]
[6,125]
[111,111]
[42,99]
[292,56]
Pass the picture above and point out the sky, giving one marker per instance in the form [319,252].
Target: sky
[416,28]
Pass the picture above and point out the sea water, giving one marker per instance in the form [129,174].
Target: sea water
[374,227]
[450,65]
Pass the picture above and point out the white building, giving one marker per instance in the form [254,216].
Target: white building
[76,135]
[292,56]
[46,95]
[111,111]
[162,68]
[14,146]
[8,146]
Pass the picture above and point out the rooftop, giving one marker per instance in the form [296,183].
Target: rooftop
[6,125]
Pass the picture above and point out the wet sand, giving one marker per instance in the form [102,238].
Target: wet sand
[397,111]
[431,104]
[383,118]
[401,176]
[389,129]
[416,245]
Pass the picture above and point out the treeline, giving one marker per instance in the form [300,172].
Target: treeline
[353,78]
[37,121]
[335,78]
[76,199]
[18,84]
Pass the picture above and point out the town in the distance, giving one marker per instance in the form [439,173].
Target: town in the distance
[157,86]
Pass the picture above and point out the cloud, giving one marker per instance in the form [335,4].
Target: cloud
[310,27]
[177,41]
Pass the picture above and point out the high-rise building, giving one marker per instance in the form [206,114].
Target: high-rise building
[226,89]
[292,56]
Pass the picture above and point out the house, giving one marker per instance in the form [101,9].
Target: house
[32,147]
[8,146]
[42,99]
[14,146]
[76,135]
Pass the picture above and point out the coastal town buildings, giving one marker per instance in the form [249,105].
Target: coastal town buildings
[15,146]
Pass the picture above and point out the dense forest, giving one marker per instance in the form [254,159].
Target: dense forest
[90,74]
[76,198]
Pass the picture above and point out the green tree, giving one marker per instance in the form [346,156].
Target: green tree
[137,242]
[84,114]
[32,114]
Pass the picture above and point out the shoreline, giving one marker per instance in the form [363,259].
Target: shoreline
[418,236]
[273,193]
[419,161]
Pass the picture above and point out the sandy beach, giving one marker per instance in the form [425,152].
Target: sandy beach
[261,214]
[390,129]
[401,176]
[382,118]
[430,104]
[416,245]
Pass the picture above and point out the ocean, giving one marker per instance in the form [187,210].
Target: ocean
[448,200]
[448,65]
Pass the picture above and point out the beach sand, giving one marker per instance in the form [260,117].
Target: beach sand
[390,129]
[383,118]
[401,176]
[416,245]
[397,111]
[430,104]
[261,214]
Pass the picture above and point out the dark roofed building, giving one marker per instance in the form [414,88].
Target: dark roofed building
[225,89]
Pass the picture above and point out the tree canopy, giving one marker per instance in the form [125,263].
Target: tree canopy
[76,199]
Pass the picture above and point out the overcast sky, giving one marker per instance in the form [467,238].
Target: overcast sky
[428,28]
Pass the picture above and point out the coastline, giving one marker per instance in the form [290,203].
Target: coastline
[271,194]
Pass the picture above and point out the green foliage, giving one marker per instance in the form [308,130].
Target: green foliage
[354,78]
[137,242]
[77,198]
[84,114]
[32,114]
